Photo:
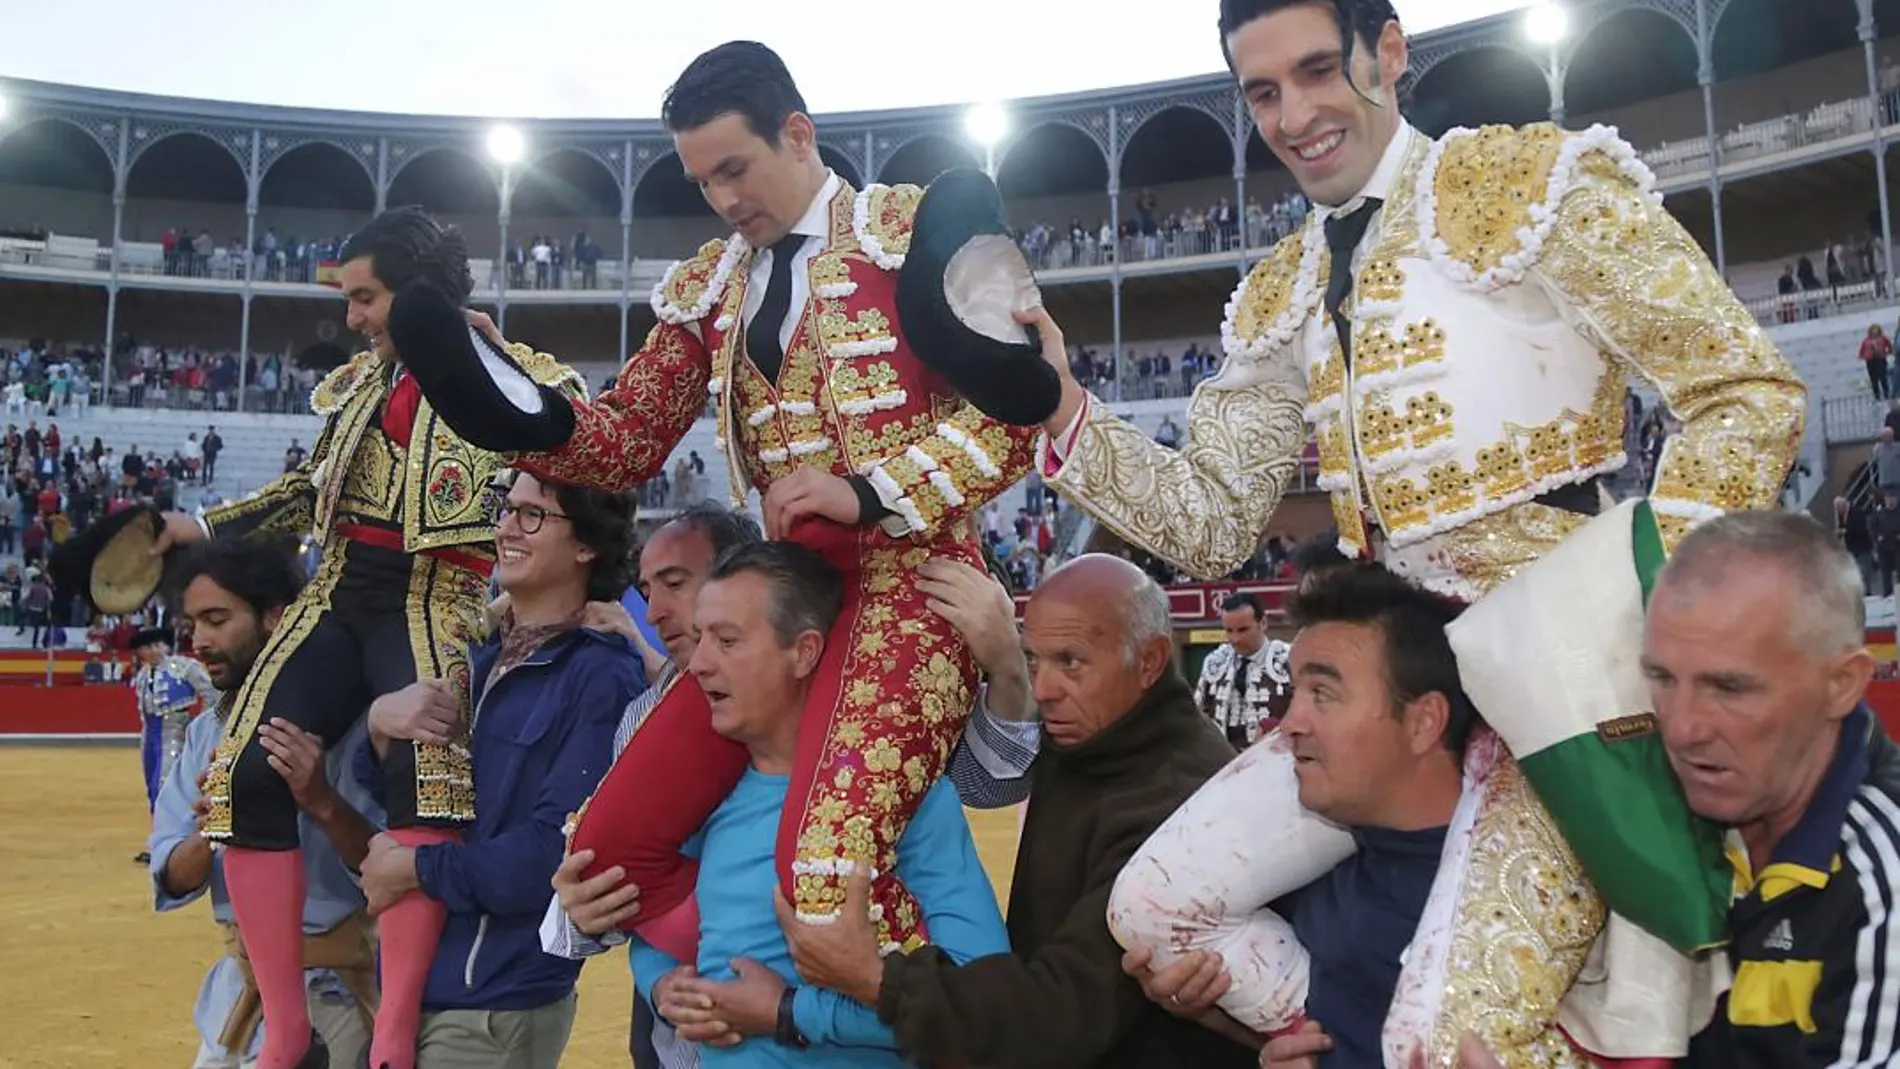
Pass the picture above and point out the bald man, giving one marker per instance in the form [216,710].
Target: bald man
[1123,746]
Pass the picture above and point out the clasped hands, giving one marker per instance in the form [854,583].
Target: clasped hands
[841,955]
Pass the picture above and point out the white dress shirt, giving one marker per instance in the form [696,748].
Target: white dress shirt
[815,223]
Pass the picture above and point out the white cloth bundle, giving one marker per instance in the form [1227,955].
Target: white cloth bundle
[1204,879]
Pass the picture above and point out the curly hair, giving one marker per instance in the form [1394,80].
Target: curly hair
[406,244]
[603,522]
[263,572]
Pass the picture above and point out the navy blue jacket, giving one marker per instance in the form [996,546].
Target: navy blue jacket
[544,737]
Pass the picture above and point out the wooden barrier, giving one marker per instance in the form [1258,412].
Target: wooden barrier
[68,712]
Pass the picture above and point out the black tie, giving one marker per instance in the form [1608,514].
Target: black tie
[1240,679]
[761,335]
[1343,235]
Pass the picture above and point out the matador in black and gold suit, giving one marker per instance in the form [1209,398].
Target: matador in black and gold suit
[399,504]
[402,509]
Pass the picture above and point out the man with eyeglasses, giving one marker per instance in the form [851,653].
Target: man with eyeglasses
[395,499]
[548,690]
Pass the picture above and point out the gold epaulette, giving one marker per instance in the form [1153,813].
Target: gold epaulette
[690,288]
[881,220]
[1491,196]
[337,387]
[1276,298]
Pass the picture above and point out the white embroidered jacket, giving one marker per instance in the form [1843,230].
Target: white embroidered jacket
[1514,281]
[1269,687]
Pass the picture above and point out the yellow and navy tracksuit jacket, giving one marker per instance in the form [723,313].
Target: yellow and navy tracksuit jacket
[1815,935]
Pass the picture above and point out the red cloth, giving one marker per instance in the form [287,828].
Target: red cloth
[676,770]
[399,408]
[388,539]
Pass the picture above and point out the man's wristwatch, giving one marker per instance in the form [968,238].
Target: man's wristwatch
[787,1033]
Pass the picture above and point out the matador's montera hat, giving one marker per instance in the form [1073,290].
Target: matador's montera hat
[962,282]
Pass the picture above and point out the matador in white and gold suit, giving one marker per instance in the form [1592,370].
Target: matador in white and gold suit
[1465,378]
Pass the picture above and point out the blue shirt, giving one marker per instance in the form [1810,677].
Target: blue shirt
[636,607]
[332,893]
[936,860]
[1356,922]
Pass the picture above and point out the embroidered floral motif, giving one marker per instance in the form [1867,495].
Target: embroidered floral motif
[868,333]
[881,220]
[341,384]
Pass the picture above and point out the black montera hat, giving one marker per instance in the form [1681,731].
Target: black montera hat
[111,563]
[477,388]
[150,636]
[962,281]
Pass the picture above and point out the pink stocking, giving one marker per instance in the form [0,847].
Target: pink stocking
[267,894]
[409,932]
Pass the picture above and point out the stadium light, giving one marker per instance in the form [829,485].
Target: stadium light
[1546,23]
[505,145]
[987,124]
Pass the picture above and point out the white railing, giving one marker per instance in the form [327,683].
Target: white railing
[1825,124]
[1852,419]
[1782,309]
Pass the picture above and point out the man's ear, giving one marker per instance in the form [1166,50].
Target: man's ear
[1392,54]
[800,135]
[1156,654]
[268,623]
[1426,719]
[806,652]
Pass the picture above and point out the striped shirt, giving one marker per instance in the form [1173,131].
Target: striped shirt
[1814,939]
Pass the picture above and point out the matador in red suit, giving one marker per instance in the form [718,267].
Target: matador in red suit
[859,448]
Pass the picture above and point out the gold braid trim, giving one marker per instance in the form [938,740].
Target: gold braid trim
[1205,506]
[342,382]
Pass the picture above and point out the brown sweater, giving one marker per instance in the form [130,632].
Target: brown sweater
[1059,999]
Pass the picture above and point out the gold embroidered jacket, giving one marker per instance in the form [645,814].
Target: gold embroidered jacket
[435,485]
[850,398]
[1514,280]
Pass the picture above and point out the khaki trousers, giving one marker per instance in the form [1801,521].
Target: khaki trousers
[337,1021]
[495,1039]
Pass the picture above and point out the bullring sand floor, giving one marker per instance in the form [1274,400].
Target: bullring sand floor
[91,978]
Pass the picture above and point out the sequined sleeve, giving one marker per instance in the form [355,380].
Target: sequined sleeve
[285,505]
[1643,291]
[965,462]
[1205,506]
[622,438]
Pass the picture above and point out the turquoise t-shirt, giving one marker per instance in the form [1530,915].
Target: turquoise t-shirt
[936,860]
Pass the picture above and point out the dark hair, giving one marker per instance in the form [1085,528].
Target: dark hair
[727,529]
[262,572]
[603,522]
[1360,22]
[406,244]
[1412,621]
[807,592]
[737,78]
[1244,601]
[1318,553]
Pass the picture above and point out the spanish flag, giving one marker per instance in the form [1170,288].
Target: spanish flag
[330,273]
